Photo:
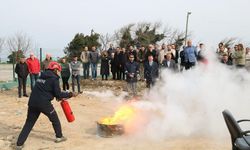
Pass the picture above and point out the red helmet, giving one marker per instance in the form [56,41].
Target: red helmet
[54,65]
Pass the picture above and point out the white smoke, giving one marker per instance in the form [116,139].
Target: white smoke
[191,103]
[107,95]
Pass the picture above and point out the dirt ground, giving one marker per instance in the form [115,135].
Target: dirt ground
[95,102]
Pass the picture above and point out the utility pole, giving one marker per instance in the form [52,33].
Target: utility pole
[41,57]
[13,63]
[188,13]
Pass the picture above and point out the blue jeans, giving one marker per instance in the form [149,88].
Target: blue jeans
[85,70]
[94,70]
[77,79]
[33,78]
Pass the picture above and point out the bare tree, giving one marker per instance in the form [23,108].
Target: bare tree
[1,44]
[20,41]
[167,31]
[105,40]
[174,36]
[116,37]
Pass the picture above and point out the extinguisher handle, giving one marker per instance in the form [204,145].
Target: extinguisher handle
[72,94]
[61,99]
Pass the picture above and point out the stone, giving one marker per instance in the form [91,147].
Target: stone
[10,137]
[2,143]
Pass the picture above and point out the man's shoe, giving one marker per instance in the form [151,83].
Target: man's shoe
[25,95]
[19,147]
[62,139]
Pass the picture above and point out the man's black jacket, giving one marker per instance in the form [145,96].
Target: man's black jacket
[22,70]
[46,88]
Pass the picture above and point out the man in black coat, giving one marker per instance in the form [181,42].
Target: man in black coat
[46,88]
[121,64]
[151,71]
[117,63]
[104,65]
[183,63]
[133,52]
[132,70]
[22,72]
[225,60]
[151,51]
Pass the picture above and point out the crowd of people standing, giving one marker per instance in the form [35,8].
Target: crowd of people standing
[133,64]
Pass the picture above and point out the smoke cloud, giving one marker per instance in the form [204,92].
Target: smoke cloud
[191,103]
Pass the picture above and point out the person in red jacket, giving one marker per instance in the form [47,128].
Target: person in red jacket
[34,69]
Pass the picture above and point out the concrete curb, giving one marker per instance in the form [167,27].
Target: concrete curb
[8,85]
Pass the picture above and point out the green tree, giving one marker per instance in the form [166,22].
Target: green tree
[146,33]
[139,34]
[76,46]
[126,38]
[179,41]
[15,56]
[230,42]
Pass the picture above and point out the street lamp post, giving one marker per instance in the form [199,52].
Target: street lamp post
[13,64]
[188,13]
[41,57]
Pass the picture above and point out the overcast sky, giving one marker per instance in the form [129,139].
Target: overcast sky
[52,24]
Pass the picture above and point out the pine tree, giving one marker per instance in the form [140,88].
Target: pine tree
[76,46]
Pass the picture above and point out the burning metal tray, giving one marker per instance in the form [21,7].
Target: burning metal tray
[105,130]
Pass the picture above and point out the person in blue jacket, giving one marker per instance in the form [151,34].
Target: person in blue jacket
[46,88]
[190,55]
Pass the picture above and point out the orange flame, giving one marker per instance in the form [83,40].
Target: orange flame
[124,115]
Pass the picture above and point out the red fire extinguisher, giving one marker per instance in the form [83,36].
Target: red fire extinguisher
[67,111]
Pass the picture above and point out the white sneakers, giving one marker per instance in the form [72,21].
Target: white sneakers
[19,147]
[62,139]
[57,140]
